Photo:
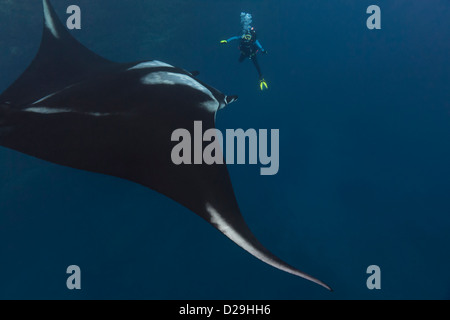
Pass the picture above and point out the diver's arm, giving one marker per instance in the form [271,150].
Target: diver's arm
[233,38]
[260,46]
[230,39]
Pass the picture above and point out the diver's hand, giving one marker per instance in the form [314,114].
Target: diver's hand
[223,42]
[264,52]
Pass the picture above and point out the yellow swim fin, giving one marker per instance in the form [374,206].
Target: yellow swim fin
[263,85]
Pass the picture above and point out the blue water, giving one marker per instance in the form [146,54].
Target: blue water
[364,119]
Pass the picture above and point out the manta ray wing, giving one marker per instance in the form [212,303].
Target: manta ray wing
[77,109]
[60,61]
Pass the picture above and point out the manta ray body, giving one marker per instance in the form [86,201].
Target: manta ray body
[74,108]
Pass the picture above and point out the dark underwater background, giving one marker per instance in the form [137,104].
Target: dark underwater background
[364,119]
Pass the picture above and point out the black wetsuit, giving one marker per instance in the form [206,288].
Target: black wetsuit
[249,47]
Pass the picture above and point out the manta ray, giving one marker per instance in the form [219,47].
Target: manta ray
[75,108]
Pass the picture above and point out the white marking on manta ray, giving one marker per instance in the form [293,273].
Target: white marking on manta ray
[98,114]
[45,110]
[171,78]
[225,228]
[49,21]
[52,94]
[151,64]
[45,98]
[160,78]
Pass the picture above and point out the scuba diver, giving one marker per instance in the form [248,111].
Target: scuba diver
[249,46]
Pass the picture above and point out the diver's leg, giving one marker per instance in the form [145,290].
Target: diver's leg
[255,62]
[262,83]
[242,57]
